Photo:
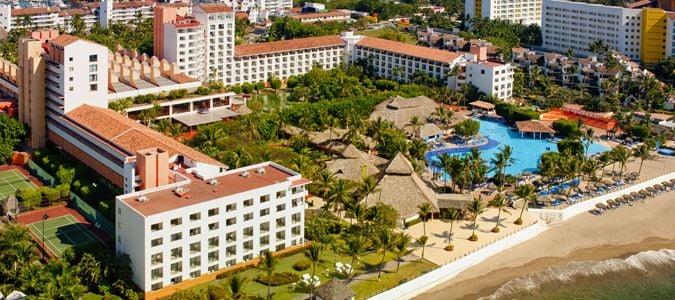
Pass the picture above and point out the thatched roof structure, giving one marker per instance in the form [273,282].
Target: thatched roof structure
[400,110]
[334,290]
[482,105]
[534,126]
[354,164]
[403,189]
[428,130]
[456,201]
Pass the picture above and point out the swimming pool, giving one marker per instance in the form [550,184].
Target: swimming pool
[526,150]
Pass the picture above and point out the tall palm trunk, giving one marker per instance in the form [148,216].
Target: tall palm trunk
[452,222]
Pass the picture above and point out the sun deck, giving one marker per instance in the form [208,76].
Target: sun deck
[198,191]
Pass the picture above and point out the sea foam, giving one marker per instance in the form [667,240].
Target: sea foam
[642,261]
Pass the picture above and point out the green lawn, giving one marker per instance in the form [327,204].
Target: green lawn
[410,39]
[369,287]
[325,271]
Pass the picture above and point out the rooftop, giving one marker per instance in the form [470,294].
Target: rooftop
[321,15]
[533,126]
[482,104]
[199,191]
[214,8]
[443,56]
[288,45]
[334,290]
[34,11]
[129,135]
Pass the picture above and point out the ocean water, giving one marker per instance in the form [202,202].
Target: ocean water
[646,275]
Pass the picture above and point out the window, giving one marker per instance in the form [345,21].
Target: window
[264,198]
[176,221]
[156,258]
[213,226]
[176,236]
[195,231]
[281,194]
[176,267]
[156,242]
[231,221]
[93,77]
[195,247]
[176,253]
[70,78]
[71,88]
[156,274]
[156,226]
[248,216]
[93,68]
[264,212]
[213,242]
[93,87]
[248,202]
[230,207]
[213,212]
[281,207]
[195,216]
[92,58]
[70,59]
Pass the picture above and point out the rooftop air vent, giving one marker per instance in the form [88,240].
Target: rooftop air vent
[260,170]
[245,174]
[143,199]
[213,181]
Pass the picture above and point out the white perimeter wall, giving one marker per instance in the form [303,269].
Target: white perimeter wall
[429,280]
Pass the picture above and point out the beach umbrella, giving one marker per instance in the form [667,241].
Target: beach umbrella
[492,186]
[667,183]
[629,140]
[635,195]
[651,189]
[643,193]
[672,181]
[617,179]
[544,199]
[607,182]
[623,199]
[601,205]
[611,202]
[659,187]
[628,197]
[527,173]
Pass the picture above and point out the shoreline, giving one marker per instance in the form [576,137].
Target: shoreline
[616,234]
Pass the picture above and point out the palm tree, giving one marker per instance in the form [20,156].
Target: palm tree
[367,187]
[267,264]
[356,210]
[415,123]
[401,250]
[587,139]
[424,210]
[323,182]
[331,123]
[499,202]
[386,242]
[339,194]
[642,152]
[354,247]
[452,215]
[455,171]
[476,208]
[621,155]
[444,164]
[525,192]
[423,242]
[314,253]
[236,286]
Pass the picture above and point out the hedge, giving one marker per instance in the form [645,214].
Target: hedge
[278,278]
[302,265]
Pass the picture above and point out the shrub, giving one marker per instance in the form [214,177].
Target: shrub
[574,146]
[467,128]
[449,247]
[247,88]
[275,83]
[50,194]
[302,265]
[217,292]
[383,84]
[278,278]
[237,89]
[568,128]
[413,222]
[202,91]
[29,197]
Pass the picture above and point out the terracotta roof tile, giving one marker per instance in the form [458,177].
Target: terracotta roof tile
[214,8]
[408,49]
[34,11]
[75,11]
[288,45]
[130,135]
[64,40]
[132,4]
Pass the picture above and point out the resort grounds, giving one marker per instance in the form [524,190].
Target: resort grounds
[618,233]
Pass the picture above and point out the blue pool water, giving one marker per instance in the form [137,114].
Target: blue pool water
[526,150]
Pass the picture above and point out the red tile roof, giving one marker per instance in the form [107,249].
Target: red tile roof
[200,191]
[130,135]
[64,40]
[288,45]
[75,11]
[214,8]
[408,49]
[34,11]
[638,4]
[132,4]
[241,15]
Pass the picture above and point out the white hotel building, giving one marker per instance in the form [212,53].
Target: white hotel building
[517,11]
[193,227]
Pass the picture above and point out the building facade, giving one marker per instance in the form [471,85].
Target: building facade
[517,11]
[218,20]
[331,16]
[110,11]
[181,40]
[639,34]
[193,227]
[670,35]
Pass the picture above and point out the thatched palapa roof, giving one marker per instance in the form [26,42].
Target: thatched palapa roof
[334,290]
[533,126]
[400,110]
[429,130]
[354,164]
[403,189]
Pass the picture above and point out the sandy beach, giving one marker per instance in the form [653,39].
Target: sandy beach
[618,233]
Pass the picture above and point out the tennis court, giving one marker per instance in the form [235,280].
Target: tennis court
[61,233]
[11,181]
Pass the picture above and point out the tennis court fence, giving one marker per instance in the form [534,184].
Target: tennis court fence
[40,173]
[93,215]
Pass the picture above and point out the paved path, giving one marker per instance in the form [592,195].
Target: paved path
[389,266]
